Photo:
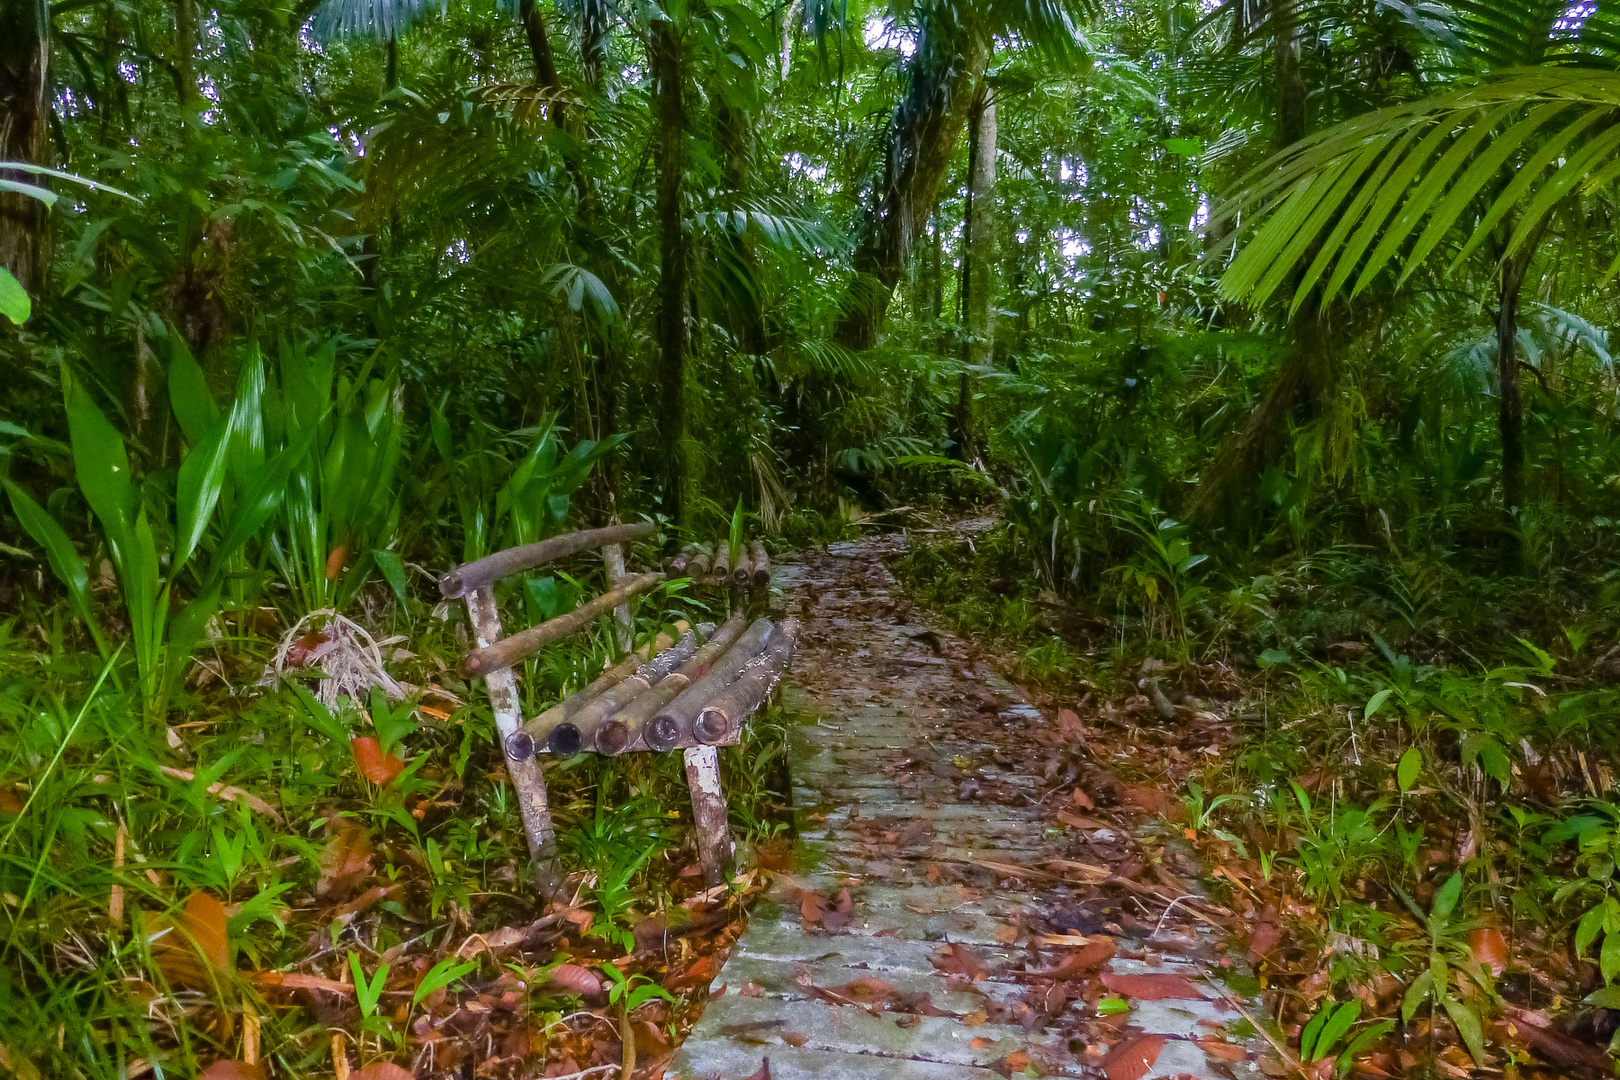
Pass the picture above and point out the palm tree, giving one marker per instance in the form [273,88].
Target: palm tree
[1483,164]
[942,81]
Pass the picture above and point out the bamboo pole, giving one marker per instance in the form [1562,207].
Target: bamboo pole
[743,573]
[621,732]
[525,643]
[720,571]
[725,712]
[557,729]
[762,564]
[472,576]
[672,725]
[588,723]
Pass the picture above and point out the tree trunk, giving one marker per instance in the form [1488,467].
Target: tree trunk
[743,315]
[1509,402]
[1290,81]
[544,60]
[185,51]
[25,49]
[664,61]
[978,228]
[944,81]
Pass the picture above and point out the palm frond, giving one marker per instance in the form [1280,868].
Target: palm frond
[382,19]
[1409,175]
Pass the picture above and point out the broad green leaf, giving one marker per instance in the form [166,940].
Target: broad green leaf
[14,302]
[1308,1037]
[197,491]
[440,975]
[1406,773]
[393,572]
[102,468]
[33,191]
[1414,996]
[193,404]
[1339,1023]
[1375,703]
[1468,1026]
[1606,998]
[60,553]
[1445,901]
[1609,957]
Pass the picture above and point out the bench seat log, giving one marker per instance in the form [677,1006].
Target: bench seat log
[673,724]
[762,564]
[525,643]
[475,575]
[722,717]
[589,722]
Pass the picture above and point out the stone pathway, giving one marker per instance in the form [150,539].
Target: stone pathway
[912,959]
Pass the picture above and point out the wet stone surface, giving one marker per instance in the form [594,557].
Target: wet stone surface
[893,950]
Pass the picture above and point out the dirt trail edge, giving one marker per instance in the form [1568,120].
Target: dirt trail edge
[894,950]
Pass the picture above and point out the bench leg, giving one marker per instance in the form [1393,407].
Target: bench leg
[527,779]
[709,814]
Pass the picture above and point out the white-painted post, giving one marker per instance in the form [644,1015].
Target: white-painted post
[613,562]
[522,765]
[709,814]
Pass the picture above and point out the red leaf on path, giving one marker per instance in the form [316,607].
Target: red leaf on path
[1133,1059]
[373,764]
[958,959]
[1489,947]
[1220,1049]
[575,979]
[346,862]
[1082,800]
[382,1070]
[841,915]
[232,1070]
[1091,957]
[1150,987]
[1017,1061]
[793,1038]
[764,1072]
[811,905]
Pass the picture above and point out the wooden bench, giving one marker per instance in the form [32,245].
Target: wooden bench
[694,696]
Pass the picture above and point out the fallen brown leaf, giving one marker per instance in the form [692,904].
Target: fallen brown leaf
[1220,1049]
[764,1072]
[232,1070]
[382,1070]
[957,959]
[1133,1058]
[793,1038]
[1158,987]
[374,765]
[346,860]
[575,979]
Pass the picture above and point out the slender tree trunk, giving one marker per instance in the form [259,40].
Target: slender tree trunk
[944,82]
[978,229]
[185,51]
[541,55]
[25,49]
[743,316]
[664,60]
[1509,401]
[1290,81]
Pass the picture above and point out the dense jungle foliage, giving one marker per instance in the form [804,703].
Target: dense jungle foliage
[1275,333]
